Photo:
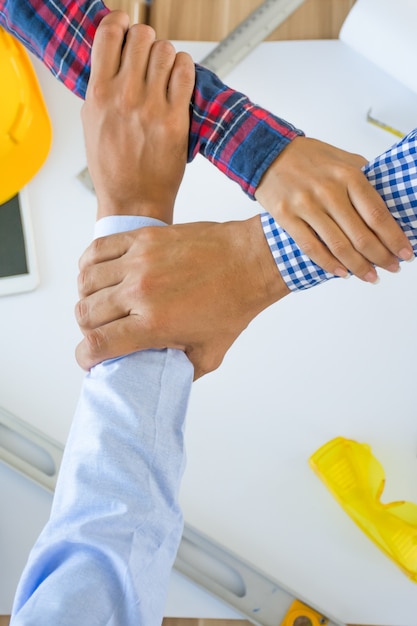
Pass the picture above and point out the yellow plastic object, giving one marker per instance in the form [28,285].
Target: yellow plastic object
[25,128]
[356,479]
[300,614]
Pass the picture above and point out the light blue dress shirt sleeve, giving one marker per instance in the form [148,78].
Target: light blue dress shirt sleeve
[105,556]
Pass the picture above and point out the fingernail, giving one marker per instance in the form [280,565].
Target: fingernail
[406,255]
[341,272]
[371,277]
[395,267]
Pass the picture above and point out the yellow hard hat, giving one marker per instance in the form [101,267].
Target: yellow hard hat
[25,128]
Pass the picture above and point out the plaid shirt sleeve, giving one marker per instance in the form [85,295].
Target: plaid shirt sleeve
[238,137]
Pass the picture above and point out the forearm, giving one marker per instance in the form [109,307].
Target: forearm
[59,33]
[107,551]
[238,137]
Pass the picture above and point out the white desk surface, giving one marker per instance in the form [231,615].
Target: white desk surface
[338,360]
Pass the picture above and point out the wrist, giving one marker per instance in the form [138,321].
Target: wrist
[261,281]
[108,207]
[271,187]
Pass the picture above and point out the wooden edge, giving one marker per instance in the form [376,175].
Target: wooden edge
[174,621]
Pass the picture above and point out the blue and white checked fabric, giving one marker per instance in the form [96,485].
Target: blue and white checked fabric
[394,176]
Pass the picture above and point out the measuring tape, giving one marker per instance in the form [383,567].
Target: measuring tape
[302,615]
[249,34]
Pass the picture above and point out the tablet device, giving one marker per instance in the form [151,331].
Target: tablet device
[18,268]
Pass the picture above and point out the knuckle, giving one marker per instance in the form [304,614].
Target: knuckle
[378,216]
[306,197]
[152,326]
[344,170]
[112,28]
[84,282]
[97,93]
[153,322]
[82,261]
[163,56]
[184,63]
[339,248]
[88,256]
[81,358]
[94,250]
[283,212]
[126,100]
[287,211]
[363,242]
[95,342]
[138,289]
[82,313]
[164,49]
[148,234]
[310,247]
[166,129]
[143,32]
[148,241]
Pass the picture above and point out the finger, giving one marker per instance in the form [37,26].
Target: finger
[347,234]
[106,249]
[100,276]
[136,53]
[107,46]
[365,242]
[100,307]
[338,253]
[353,252]
[310,244]
[161,62]
[114,340]
[376,215]
[182,80]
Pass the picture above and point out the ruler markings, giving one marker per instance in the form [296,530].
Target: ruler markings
[248,35]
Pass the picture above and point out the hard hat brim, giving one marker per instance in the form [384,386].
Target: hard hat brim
[26,157]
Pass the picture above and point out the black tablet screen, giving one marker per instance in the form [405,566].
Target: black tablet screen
[13,260]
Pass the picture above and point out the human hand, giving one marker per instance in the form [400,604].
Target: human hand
[136,119]
[193,286]
[316,191]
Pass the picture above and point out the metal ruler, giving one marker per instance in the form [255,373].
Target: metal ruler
[259,598]
[29,451]
[249,34]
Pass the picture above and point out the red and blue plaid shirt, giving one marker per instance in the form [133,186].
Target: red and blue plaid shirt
[238,137]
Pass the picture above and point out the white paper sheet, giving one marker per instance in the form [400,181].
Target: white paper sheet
[384,31]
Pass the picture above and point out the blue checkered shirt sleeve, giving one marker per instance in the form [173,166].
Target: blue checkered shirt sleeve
[394,176]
